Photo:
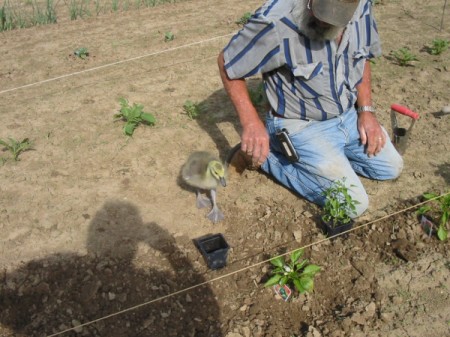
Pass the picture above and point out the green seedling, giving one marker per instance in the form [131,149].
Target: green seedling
[82,53]
[438,46]
[403,56]
[339,205]
[16,147]
[296,272]
[133,116]
[192,109]
[168,36]
[440,205]
[244,19]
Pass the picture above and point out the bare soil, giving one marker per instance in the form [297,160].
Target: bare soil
[97,227]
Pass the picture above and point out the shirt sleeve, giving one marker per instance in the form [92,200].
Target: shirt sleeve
[253,50]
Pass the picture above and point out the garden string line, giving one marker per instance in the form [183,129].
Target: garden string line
[242,269]
[116,63]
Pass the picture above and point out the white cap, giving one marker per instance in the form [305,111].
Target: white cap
[335,12]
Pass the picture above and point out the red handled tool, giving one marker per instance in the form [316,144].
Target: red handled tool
[401,135]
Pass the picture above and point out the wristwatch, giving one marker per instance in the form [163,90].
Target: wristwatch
[368,108]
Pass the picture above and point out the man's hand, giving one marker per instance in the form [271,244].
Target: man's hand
[371,133]
[255,142]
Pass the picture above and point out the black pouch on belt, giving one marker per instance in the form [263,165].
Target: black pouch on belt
[286,146]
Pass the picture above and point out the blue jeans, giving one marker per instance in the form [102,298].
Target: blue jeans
[328,150]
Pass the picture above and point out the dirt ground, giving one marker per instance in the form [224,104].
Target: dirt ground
[97,227]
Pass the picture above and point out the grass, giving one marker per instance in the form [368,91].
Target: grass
[18,14]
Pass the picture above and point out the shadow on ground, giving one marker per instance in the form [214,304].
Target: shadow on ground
[59,292]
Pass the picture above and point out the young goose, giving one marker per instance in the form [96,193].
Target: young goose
[203,171]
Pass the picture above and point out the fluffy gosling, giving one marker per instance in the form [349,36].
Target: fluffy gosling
[204,172]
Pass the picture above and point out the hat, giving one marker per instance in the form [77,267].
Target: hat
[334,12]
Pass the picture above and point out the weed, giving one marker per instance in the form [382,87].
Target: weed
[16,147]
[244,19]
[168,36]
[192,109]
[438,46]
[296,272]
[444,212]
[339,205]
[133,115]
[82,53]
[403,56]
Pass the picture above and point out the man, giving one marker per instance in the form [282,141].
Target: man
[314,57]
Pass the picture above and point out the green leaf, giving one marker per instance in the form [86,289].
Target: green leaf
[307,283]
[429,196]
[273,280]
[442,233]
[298,285]
[311,269]
[128,129]
[149,118]
[296,255]
[278,261]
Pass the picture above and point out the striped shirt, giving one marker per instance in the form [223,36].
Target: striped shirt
[303,78]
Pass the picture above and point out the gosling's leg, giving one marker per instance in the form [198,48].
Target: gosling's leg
[202,201]
[216,214]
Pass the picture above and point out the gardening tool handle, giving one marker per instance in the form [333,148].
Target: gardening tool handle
[404,111]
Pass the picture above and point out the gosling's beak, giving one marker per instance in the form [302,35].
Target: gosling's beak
[223,182]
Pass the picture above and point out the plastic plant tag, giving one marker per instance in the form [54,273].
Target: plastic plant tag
[427,226]
[284,291]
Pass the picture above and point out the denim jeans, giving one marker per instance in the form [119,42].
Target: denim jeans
[329,150]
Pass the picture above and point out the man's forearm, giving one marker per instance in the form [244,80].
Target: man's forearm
[364,88]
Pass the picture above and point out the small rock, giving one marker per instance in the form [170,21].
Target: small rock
[111,296]
[188,298]
[370,309]
[76,324]
[298,235]
[446,109]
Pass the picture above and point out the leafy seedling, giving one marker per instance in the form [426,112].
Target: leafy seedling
[82,53]
[339,204]
[133,116]
[441,206]
[168,36]
[244,19]
[192,109]
[438,46]
[16,147]
[403,56]
[296,272]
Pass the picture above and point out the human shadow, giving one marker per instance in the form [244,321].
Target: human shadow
[218,109]
[444,171]
[107,290]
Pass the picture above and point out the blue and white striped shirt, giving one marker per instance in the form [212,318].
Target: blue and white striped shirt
[303,78]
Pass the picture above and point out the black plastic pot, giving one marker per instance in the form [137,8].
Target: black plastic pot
[214,249]
[332,230]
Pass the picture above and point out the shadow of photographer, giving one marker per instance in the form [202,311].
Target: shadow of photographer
[61,291]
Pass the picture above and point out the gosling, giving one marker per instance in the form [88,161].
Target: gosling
[204,171]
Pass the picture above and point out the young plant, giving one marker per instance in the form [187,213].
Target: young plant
[444,211]
[192,109]
[16,147]
[339,205]
[438,46]
[403,56]
[244,19]
[82,53]
[133,115]
[168,36]
[297,272]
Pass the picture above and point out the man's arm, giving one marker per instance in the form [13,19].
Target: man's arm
[254,138]
[369,129]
